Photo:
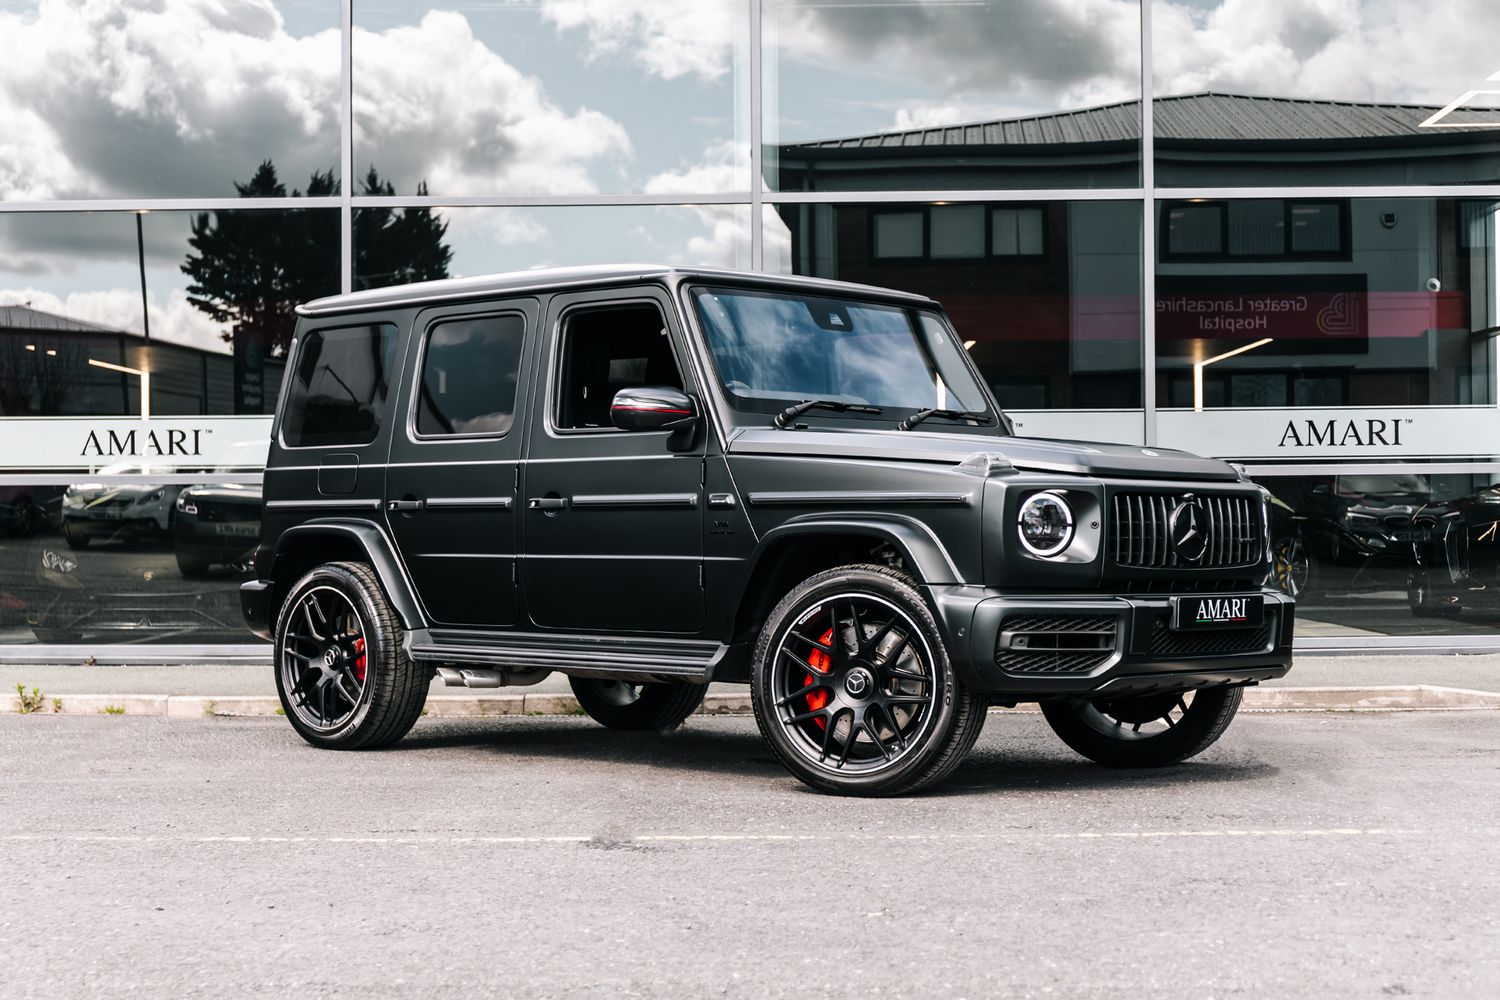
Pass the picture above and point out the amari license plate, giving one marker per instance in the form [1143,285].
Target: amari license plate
[1217,611]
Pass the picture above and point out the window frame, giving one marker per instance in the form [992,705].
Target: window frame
[1344,252]
[419,378]
[554,396]
[986,256]
[294,355]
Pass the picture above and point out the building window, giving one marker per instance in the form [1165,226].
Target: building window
[899,235]
[959,232]
[1256,229]
[1016,232]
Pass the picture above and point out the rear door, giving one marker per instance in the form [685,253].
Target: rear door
[450,493]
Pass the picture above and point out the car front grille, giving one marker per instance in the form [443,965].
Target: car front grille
[1165,641]
[1140,531]
[1056,644]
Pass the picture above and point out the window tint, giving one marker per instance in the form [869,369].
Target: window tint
[338,391]
[469,376]
[606,350]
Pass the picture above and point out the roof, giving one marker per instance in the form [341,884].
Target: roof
[554,278]
[1207,116]
[27,318]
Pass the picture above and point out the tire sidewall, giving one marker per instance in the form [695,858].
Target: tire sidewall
[804,597]
[1195,733]
[377,651]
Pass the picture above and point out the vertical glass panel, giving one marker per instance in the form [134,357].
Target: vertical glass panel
[1398,551]
[489,240]
[898,234]
[1304,93]
[932,94]
[173,99]
[508,98]
[144,561]
[1053,324]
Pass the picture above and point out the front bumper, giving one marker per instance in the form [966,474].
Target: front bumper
[1137,650]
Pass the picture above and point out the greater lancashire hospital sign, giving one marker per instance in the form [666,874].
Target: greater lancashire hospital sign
[88,444]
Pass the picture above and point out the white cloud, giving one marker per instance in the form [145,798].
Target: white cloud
[173,321]
[669,38]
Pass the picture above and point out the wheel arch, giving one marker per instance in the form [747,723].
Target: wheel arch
[301,548]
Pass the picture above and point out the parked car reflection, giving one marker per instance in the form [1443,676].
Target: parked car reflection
[216,525]
[1350,520]
[1458,563]
[122,512]
[25,510]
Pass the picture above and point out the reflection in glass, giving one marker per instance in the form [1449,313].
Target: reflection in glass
[117,98]
[1319,302]
[1051,313]
[912,94]
[1365,92]
[552,99]
[492,240]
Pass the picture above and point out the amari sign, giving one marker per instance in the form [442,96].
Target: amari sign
[1299,435]
[88,444]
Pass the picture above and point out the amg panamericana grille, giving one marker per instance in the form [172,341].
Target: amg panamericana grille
[1140,533]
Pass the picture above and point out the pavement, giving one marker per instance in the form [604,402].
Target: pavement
[1304,855]
[1328,682]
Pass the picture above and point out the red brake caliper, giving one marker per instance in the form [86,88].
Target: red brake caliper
[819,661]
[359,661]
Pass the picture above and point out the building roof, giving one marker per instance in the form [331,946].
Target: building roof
[1207,116]
[555,278]
[18,317]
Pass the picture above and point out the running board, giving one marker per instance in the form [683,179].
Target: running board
[579,656]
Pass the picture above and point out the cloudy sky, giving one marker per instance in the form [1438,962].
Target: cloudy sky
[179,98]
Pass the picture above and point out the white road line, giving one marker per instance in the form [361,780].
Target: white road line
[708,838]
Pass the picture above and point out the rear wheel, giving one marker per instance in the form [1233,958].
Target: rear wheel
[624,705]
[191,563]
[76,538]
[853,688]
[1148,730]
[344,681]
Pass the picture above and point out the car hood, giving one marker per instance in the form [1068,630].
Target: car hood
[90,492]
[248,495]
[1083,458]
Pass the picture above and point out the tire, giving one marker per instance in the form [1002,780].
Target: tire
[345,704]
[191,564]
[853,689]
[76,539]
[1291,569]
[623,705]
[1108,731]
[26,518]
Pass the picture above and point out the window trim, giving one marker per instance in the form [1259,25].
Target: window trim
[418,378]
[1345,251]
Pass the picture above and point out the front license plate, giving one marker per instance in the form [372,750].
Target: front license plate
[1217,611]
[238,530]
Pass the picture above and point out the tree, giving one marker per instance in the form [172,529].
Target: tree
[250,269]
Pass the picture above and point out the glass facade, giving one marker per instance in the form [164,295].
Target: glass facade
[1286,257]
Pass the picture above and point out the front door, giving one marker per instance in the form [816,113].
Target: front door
[613,525]
[454,466]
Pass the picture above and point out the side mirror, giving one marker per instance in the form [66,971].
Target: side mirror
[657,408]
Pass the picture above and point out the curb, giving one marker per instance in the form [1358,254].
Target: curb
[1392,698]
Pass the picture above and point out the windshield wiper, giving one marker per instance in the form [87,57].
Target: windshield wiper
[791,413]
[921,415]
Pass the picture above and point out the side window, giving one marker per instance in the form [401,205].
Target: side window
[340,386]
[469,373]
[606,350]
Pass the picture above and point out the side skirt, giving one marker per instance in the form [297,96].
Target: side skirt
[636,660]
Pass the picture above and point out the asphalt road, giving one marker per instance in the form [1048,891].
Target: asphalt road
[1305,855]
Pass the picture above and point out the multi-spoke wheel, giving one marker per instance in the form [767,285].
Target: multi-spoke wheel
[1291,567]
[626,705]
[1148,730]
[854,690]
[343,679]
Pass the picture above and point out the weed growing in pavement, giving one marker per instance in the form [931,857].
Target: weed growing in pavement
[280,710]
[210,707]
[113,709]
[56,704]
[29,702]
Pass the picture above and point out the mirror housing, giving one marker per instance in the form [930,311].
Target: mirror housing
[657,408]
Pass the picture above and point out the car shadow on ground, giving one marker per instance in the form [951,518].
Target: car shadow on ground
[997,765]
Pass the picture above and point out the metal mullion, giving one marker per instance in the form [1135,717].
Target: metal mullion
[1369,468]
[1340,193]
[170,204]
[1148,234]
[549,200]
[346,146]
[63,477]
[757,139]
[958,195]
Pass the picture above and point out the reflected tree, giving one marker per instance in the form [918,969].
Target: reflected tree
[250,268]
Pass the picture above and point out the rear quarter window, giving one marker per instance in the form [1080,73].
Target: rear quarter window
[339,386]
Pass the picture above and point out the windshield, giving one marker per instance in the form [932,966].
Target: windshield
[773,349]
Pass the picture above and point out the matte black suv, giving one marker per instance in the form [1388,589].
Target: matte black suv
[650,478]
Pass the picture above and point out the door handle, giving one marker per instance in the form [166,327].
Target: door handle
[546,503]
[404,506]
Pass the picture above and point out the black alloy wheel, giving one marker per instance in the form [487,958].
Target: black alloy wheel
[1148,730]
[342,676]
[637,706]
[854,690]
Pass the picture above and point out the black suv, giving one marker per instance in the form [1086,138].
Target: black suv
[650,478]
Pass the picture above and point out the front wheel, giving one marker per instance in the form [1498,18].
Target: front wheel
[623,705]
[344,681]
[1148,730]
[853,689]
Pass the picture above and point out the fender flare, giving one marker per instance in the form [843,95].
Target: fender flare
[918,545]
[378,550]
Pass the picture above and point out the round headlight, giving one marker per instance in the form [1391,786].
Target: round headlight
[1046,524]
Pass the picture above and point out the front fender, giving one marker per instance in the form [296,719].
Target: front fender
[919,546]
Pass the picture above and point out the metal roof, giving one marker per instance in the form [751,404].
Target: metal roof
[19,317]
[1207,116]
[547,279]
